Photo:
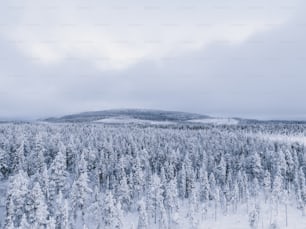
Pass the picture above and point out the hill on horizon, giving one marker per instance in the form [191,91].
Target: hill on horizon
[140,114]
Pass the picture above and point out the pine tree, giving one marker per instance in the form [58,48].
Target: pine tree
[256,188]
[124,193]
[10,213]
[163,219]
[65,222]
[137,178]
[254,165]
[24,223]
[38,208]
[96,208]
[192,211]
[277,192]
[171,196]
[80,190]
[267,185]
[212,187]
[20,158]
[254,218]
[4,164]
[143,216]
[302,184]
[204,186]
[182,182]
[221,171]
[58,172]
[171,199]
[45,181]
[156,198]
[51,223]
[59,213]
[17,192]
[111,213]
[235,197]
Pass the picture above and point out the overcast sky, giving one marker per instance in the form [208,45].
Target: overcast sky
[217,57]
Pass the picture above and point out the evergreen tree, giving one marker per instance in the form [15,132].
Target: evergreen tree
[182,182]
[157,199]
[4,164]
[24,223]
[212,187]
[111,212]
[17,192]
[58,172]
[143,216]
[38,209]
[80,189]
[171,198]
[267,185]
[124,193]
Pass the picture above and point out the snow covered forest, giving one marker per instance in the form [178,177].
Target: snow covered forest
[97,176]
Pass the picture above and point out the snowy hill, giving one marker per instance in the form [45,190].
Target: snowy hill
[157,117]
[133,114]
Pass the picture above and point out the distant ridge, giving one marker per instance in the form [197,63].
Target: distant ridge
[141,114]
[134,115]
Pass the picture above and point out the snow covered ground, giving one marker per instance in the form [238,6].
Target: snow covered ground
[282,138]
[128,120]
[240,220]
[216,121]
[235,220]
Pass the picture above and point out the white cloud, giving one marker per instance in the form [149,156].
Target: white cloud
[241,58]
[116,36]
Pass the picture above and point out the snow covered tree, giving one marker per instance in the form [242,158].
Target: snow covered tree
[36,207]
[4,166]
[80,190]
[254,166]
[182,182]
[156,199]
[60,213]
[204,186]
[58,172]
[267,185]
[254,218]
[17,192]
[212,187]
[192,211]
[277,192]
[143,216]
[36,158]
[221,171]
[24,223]
[111,212]
[51,223]
[137,178]
[124,193]
[20,158]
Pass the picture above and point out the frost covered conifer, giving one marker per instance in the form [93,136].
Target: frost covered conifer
[40,208]
[143,216]
[267,185]
[24,223]
[17,193]
[58,172]
[111,212]
[80,190]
